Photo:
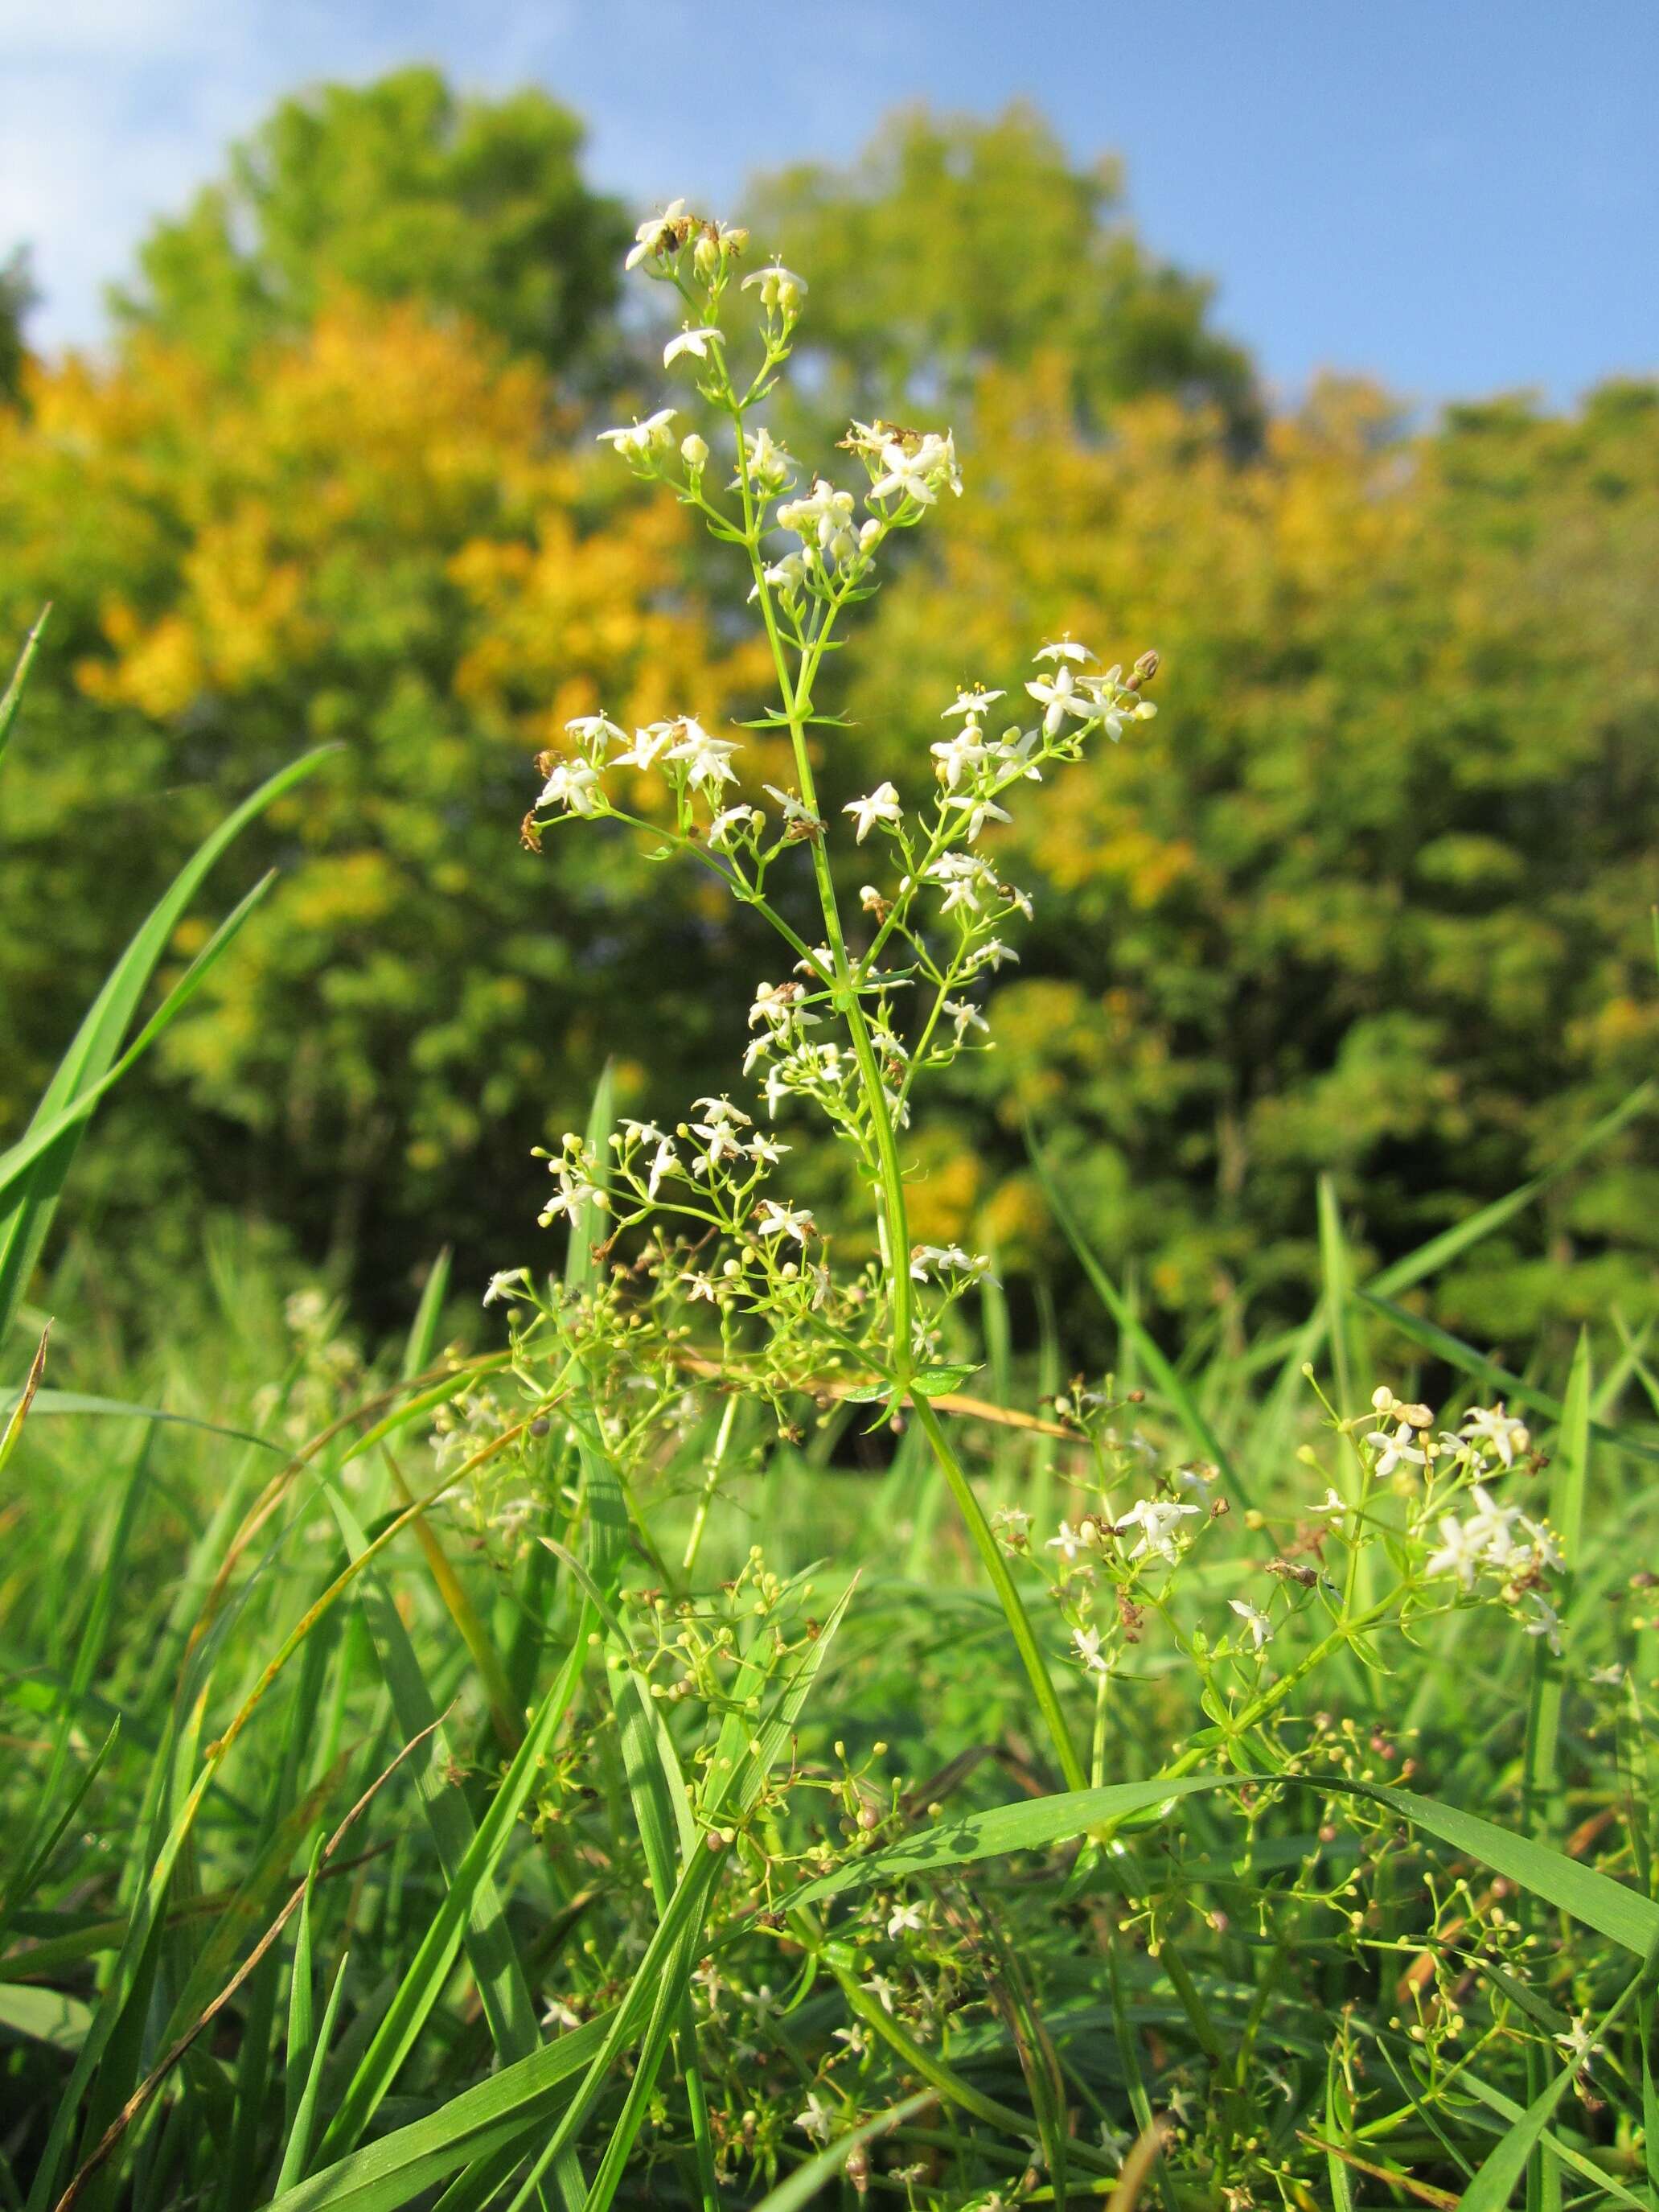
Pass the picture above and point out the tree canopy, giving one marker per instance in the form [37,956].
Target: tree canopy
[397,189]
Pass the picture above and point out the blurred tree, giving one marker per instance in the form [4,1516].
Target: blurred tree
[1371,895]
[379,538]
[397,189]
[956,243]
[17,296]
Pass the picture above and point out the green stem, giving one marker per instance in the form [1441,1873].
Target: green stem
[1002,1582]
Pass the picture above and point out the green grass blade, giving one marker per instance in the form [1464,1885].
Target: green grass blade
[423,1983]
[97,1043]
[55,1404]
[804,2183]
[1569,1476]
[13,698]
[302,2129]
[1495,2181]
[41,1135]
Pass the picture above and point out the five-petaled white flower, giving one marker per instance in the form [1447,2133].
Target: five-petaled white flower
[696,342]
[1254,1619]
[882,804]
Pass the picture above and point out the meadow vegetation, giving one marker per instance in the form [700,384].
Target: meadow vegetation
[950,1602]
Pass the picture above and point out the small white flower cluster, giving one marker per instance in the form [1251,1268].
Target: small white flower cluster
[1488,1540]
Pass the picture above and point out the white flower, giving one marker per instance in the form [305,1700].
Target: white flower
[1607,1678]
[956,754]
[595,731]
[902,1917]
[647,744]
[781,291]
[1463,1551]
[949,1258]
[977,811]
[882,1990]
[1059,697]
[1392,1451]
[767,1154]
[655,235]
[920,475]
[816,2119]
[1064,648]
[1491,1524]
[692,341]
[1086,1642]
[1545,1549]
[882,804]
[971,703]
[1011,1522]
[1498,1430]
[964,877]
[776,1220]
[572,784]
[663,1161]
[708,758]
[1158,1519]
[1333,1502]
[1544,1620]
[1577,2042]
[640,439]
[964,1015]
[1068,1543]
[735,818]
[789,804]
[769,464]
[993,953]
[505,1284]
[1254,1619]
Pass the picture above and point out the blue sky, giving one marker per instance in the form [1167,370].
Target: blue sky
[1458,196]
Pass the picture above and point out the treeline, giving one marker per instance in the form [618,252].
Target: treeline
[1370,898]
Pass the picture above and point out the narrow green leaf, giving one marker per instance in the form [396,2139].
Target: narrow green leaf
[59,1403]
[1494,2183]
[13,698]
[97,1043]
[804,2183]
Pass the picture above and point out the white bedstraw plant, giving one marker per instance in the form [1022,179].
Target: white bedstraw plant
[892,990]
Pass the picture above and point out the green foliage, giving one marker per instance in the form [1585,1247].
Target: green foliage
[956,244]
[17,296]
[397,189]
[1372,897]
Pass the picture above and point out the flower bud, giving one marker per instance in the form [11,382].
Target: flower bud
[694,451]
[705,256]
